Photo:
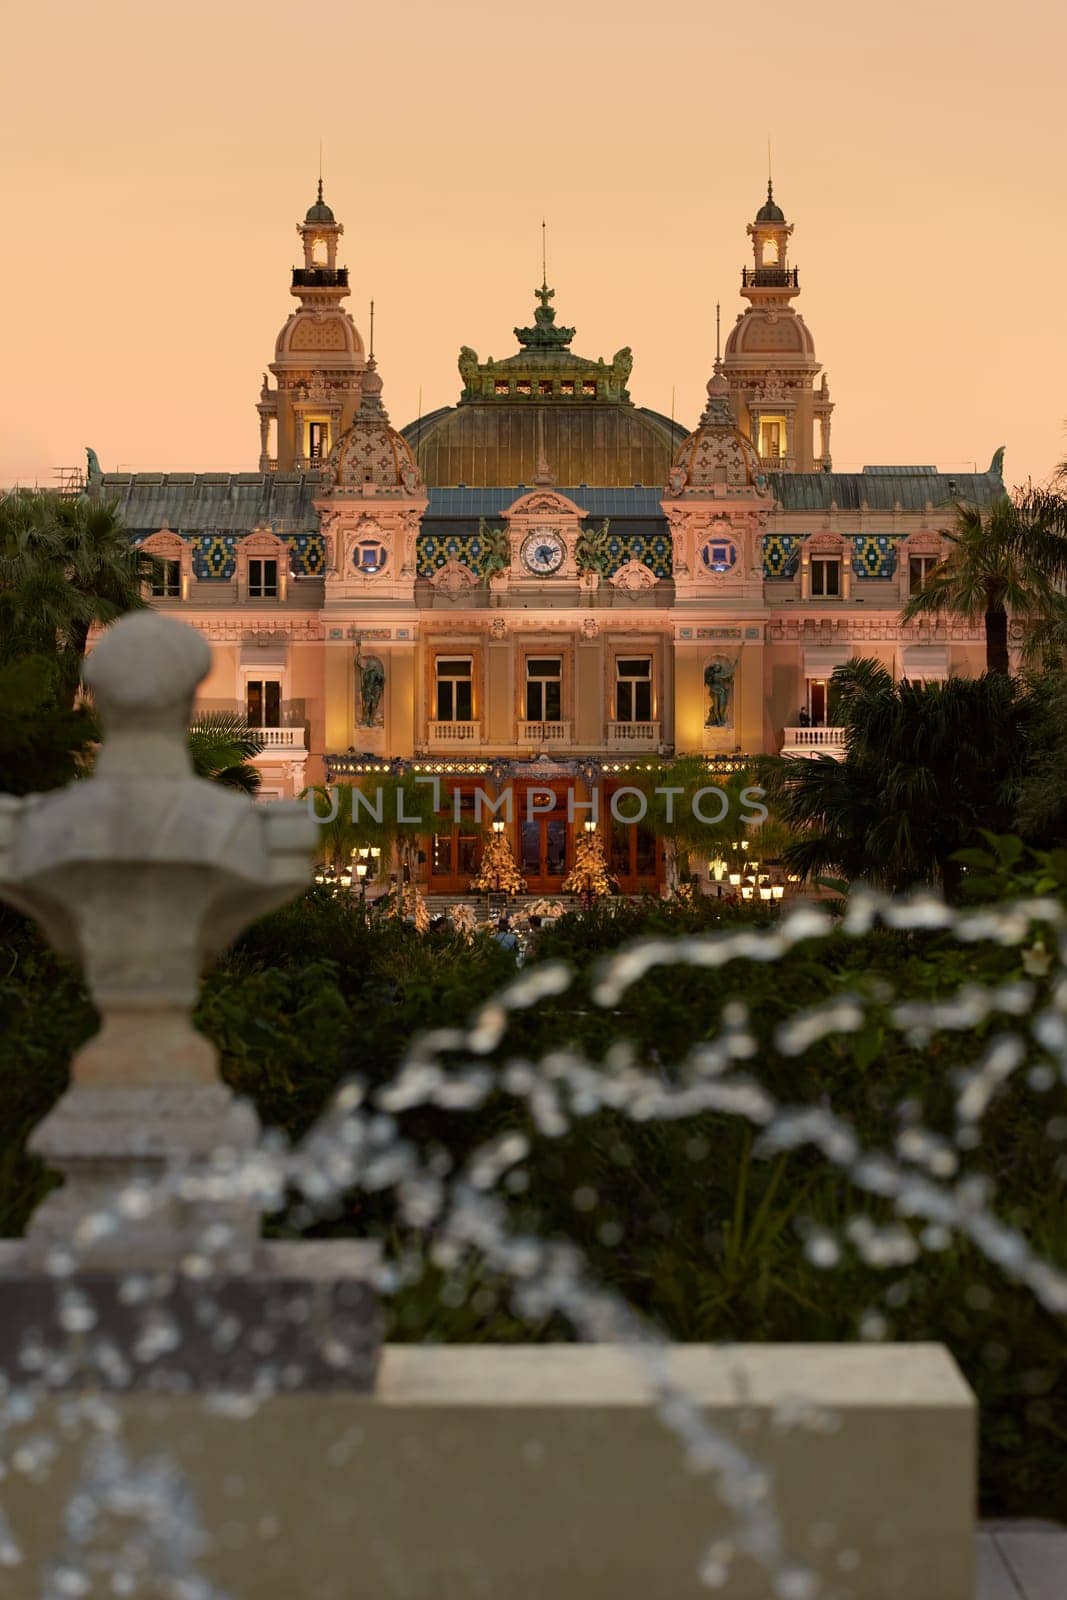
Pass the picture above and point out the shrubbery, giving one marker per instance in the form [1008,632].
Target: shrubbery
[685,1218]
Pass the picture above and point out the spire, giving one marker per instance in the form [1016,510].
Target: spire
[320,211]
[370,352]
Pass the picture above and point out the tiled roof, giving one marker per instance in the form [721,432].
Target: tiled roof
[192,502]
[882,488]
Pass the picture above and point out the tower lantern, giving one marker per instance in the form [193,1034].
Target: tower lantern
[319,358]
[770,364]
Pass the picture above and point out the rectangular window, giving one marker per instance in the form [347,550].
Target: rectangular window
[544,386]
[455,700]
[167,583]
[566,386]
[919,569]
[772,437]
[501,386]
[524,386]
[544,689]
[589,386]
[263,703]
[633,689]
[825,577]
[318,440]
[262,579]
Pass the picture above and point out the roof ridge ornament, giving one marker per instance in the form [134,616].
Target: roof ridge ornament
[544,335]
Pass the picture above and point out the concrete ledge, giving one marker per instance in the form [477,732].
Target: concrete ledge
[542,1473]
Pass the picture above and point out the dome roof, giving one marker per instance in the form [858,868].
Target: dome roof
[717,456]
[372,451]
[320,211]
[770,211]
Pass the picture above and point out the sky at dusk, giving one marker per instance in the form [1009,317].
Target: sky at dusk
[155,163]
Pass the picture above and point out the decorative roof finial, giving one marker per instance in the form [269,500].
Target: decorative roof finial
[718,335]
[544,255]
[370,353]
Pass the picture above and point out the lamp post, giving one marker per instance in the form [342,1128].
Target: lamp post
[361,874]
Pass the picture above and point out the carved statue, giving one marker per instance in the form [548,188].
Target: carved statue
[468,366]
[495,554]
[95,470]
[371,688]
[591,552]
[719,678]
[622,364]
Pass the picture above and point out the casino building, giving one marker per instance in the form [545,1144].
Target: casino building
[544,581]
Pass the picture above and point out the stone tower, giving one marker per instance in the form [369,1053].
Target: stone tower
[770,362]
[318,358]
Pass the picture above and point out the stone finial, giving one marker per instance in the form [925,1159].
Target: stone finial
[141,874]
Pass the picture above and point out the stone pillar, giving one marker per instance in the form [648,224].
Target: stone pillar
[141,874]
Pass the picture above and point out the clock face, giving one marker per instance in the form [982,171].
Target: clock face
[543,551]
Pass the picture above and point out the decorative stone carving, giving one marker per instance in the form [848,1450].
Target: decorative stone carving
[140,874]
[454,579]
[634,576]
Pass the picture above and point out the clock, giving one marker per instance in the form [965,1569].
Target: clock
[543,552]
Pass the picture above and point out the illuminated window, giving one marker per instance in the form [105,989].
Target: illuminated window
[545,386]
[919,569]
[455,701]
[825,577]
[501,386]
[319,254]
[262,579]
[370,556]
[544,689]
[566,386]
[167,582]
[719,555]
[633,689]
[263,703]
[772,437]
[524,386]
[318,440]
[589,386]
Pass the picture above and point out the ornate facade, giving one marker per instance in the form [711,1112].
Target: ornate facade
[545,579]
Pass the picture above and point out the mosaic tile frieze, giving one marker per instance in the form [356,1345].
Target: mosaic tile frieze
[874,555]
[781,554]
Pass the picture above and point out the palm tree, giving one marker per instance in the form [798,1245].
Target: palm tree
[68,565]
[1010,558]
[926,768]
[223,747]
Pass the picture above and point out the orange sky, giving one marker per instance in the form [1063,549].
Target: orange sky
[155,164]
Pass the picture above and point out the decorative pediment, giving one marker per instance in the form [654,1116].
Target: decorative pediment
[454,579]
[543,503]
[826,542]
[925,543]
[262,542]
[634,575]
[166,545]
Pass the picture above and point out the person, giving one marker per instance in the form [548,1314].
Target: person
[804,719]
[504,936]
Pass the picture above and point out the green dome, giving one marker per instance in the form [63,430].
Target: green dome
[770,211]
[320,211]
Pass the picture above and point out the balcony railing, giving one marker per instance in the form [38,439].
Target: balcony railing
[539,733]
[455,733]
[814,742]
[769,278]
[320,277]
[633,735]
[280,738]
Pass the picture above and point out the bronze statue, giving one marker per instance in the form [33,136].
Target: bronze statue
[719,678]
[371,689]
